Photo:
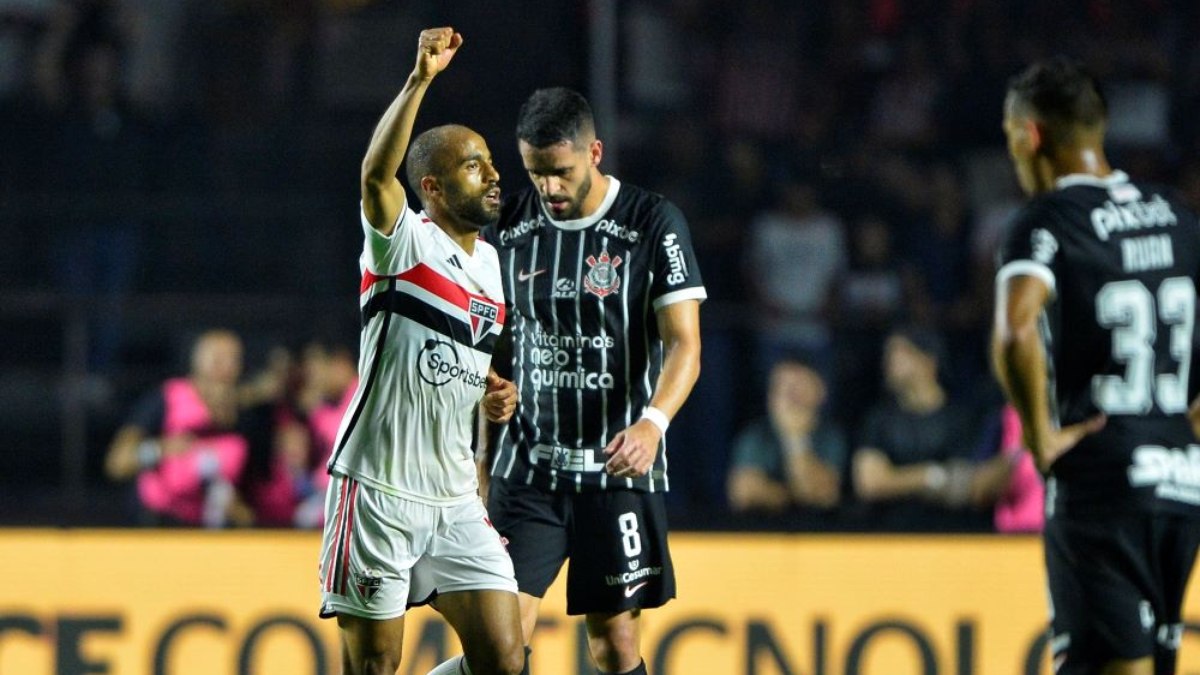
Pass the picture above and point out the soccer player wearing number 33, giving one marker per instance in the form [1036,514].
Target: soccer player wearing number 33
[1093,344]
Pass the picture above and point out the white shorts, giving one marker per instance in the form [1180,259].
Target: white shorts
[381,554]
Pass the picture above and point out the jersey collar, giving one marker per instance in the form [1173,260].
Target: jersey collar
[1071,180]
[446,238]
[614,186]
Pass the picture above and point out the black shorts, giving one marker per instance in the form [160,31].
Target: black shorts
[1116,588]
[616,540]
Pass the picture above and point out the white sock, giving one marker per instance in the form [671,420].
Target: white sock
[455,666]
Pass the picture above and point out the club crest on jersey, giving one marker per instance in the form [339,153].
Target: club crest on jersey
[368,582]
[483,317]
[602,279]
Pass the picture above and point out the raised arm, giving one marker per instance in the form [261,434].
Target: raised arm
[383,196]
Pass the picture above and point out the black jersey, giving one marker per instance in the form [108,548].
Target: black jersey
[582,298]
[1121,261]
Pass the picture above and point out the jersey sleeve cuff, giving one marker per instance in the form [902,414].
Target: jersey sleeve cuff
[697,293]
[370,230]
[1026,268]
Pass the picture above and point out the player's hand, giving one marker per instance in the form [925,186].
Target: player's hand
[1056,443]
[500,401]
[435,48]
[631,453]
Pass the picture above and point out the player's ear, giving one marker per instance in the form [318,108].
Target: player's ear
[1033,134]
[595,152]
[430,185]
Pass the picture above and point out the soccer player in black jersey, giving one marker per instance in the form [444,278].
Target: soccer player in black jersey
[604,295]
[1093,343]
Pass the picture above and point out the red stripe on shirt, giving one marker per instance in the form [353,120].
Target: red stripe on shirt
[429,279]
[368,280]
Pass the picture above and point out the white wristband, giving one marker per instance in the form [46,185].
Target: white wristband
[149,453]
[936,477]
[657,417]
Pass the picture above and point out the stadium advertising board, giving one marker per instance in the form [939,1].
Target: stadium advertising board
[178,603]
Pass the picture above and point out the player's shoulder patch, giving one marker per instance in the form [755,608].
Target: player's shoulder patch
[1033,236]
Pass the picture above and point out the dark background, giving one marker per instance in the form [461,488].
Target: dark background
[222,190]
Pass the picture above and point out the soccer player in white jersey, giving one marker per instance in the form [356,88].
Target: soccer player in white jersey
[404,522]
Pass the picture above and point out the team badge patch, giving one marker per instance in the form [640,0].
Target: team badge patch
[368,582]
[602,279]
[483,317]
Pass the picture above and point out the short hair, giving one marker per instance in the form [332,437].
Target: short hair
[1062,96]
[426,156]
[792,357]
[554,115]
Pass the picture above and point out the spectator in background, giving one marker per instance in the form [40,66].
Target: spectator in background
[330,379]
[902,112]
[275,480]
[793,457]
[875,293]
[183,445]
[940,246]
[1020,501]
[795,255]
[914,467]
[99,155]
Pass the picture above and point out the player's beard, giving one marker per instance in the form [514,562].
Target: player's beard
[472,208]
[575,208]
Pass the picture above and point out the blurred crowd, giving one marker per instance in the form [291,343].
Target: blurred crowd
[841,165]
[215,449]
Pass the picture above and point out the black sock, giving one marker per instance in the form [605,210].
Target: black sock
[528,651]
[640,670]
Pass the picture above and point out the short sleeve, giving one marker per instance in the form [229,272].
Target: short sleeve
[676,273]
[391,254]
[1031,246]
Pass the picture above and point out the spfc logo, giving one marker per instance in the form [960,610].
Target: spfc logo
[602,280]
[483,317]
[368,582]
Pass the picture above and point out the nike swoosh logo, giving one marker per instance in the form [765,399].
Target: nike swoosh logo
[526,276]
[630,590]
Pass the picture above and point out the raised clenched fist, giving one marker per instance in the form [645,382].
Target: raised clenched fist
[435,48]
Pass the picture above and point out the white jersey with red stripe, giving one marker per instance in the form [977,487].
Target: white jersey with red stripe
[431,317]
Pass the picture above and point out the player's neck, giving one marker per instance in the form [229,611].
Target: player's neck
[1088,159]
[463,235]
[595,196]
